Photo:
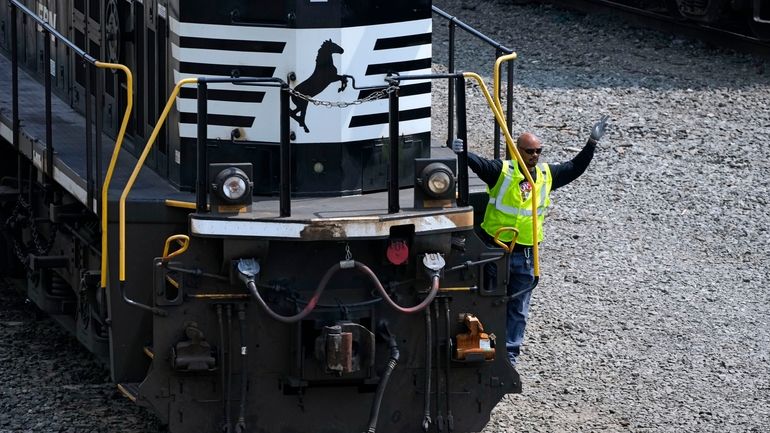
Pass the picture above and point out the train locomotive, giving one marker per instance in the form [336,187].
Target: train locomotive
[748,17]
[237,206]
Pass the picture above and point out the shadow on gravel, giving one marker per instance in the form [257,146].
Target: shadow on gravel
[51,384]
[565,49]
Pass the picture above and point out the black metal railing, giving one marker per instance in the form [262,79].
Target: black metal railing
[201,182]
[88,62]
[93,144]
[393,128]
[462,132]
[500,50]
[201,204]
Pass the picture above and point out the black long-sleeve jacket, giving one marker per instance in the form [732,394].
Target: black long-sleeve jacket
[563,173]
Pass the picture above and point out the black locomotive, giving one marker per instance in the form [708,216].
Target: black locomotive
[237,206]
[749,17]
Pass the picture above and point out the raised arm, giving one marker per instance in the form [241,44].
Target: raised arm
[566,172]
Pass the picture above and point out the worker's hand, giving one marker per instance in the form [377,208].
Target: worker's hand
[598,130]
[457,145]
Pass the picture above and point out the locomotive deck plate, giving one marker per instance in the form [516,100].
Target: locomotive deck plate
[347,217]
[69,143]
[330,224]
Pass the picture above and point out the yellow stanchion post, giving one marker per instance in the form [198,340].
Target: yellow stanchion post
[138,168]
[114,158]
[515,152]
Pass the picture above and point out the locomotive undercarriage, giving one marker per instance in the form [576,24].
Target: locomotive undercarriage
[330,364]
[51,254]
[52,257]
[744,16]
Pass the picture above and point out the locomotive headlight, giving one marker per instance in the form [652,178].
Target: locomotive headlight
[234,187]
[439,182]
[436,178]
[230,187]
[434,182]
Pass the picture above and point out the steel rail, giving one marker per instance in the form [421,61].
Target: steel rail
[711,34]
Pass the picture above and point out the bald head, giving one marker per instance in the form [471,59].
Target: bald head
[528,140]
[529,147]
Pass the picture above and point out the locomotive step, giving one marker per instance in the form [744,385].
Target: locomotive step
[129,390]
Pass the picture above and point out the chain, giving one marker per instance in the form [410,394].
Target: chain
[83,305]
[40,248]
[348,254]
[20,254]
[382,93]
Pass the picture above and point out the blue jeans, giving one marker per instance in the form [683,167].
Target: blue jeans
[520,280]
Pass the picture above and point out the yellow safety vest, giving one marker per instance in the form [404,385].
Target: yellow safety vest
[507,209]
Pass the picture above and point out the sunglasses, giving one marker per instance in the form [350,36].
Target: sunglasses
[538,151]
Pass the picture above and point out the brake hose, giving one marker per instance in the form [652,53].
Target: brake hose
[305,311]
[226,424]
[392,362]
[449,418]
[240,426]
[408,310]
[229,388]
[426,421]
[248,270]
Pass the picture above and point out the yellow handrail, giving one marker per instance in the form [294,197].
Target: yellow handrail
[138,168]
[114,158]
[513,151]
[496,76]
[180,204]
[182,240]
[509,247]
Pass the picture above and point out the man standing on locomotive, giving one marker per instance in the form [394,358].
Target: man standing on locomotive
[510,196]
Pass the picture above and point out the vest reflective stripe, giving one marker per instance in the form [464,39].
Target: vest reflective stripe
[507,209]
[518,211]
[507,184]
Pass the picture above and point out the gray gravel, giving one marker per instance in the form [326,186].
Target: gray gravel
[653,309]
[50,384]
[653,312]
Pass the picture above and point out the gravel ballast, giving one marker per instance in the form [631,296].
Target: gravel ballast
[653,310]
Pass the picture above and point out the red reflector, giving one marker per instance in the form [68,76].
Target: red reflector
[398,252]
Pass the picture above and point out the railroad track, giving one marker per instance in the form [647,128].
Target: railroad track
[723,37]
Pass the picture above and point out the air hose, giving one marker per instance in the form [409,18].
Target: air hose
[392,362]
[426,421]
[408,310]
[226,423]
[248,269]
[240,426]
[448,346]
[229,387]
